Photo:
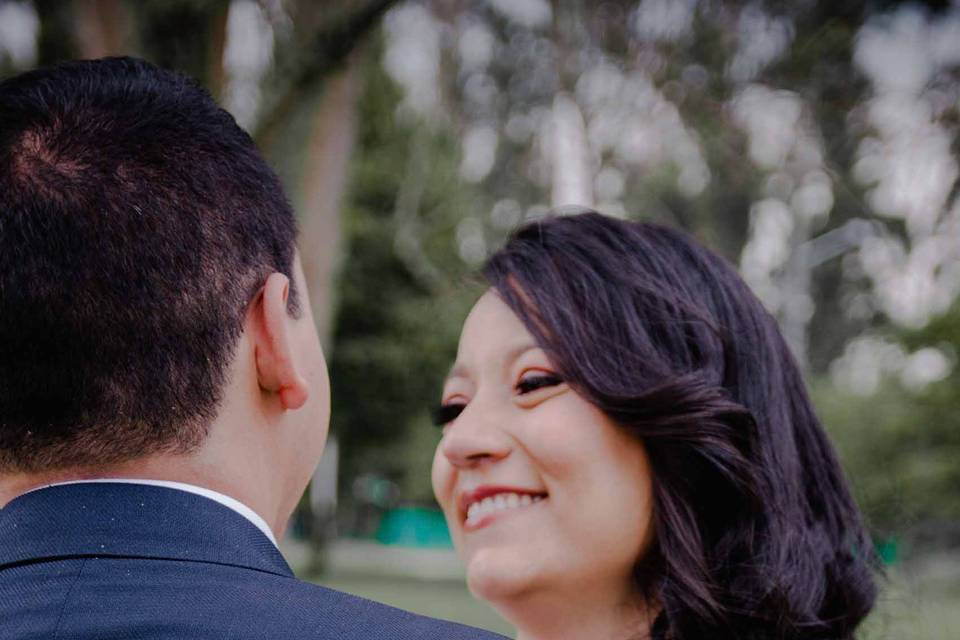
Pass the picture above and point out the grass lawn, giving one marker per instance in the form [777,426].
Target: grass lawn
[905,612]
[437,599]
[910,611]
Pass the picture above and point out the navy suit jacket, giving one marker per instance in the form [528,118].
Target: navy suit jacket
[111,561]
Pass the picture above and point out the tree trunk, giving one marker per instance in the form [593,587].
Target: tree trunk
[323,183]
[102,27]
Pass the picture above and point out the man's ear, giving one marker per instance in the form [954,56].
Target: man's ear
[272,331]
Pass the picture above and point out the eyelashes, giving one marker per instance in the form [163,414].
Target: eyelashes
[532,383]
[447,413]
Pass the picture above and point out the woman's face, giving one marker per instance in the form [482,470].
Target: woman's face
[540,489]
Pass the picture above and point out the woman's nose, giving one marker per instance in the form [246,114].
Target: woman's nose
[474,439]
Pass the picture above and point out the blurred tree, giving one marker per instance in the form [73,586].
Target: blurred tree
[401,291]
[755,126]
[102,28]
[749,124]
[901,445]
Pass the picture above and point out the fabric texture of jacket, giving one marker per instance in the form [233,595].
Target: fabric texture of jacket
[110,561]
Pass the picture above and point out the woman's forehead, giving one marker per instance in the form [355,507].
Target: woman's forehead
[493,336]
[491,321]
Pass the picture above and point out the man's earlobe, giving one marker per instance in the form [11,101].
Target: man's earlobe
[271,324]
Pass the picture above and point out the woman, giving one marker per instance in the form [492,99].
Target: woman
[629,450]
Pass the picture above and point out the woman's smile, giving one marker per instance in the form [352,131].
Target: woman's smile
[487,504]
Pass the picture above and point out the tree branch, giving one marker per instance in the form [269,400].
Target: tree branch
[331,47]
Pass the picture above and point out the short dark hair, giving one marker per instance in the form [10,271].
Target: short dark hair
[137,221]
[757,535]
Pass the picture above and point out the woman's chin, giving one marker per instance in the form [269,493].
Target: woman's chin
[498,577]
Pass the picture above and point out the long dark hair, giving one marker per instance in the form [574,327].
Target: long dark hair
[757,535]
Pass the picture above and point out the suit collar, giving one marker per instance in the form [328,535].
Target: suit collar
[216,496]
[131,520]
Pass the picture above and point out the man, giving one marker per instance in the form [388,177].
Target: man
[163,395]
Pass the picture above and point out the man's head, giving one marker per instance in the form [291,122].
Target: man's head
[138,227]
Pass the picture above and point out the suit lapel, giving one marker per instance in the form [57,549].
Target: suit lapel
[129,520]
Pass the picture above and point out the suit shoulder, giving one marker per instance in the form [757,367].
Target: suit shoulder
[175,599]
[369,619]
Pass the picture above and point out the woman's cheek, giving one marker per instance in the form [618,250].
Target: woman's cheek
[441,477]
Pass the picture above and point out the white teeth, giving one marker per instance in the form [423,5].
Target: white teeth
[500,502]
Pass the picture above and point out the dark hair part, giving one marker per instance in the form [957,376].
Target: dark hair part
[137,221]
[757,535]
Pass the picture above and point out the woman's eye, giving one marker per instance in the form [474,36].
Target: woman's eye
[447,413]
[531,383]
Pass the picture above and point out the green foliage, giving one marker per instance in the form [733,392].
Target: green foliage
[181,34]
[901,449]
[55,41]
[396,328]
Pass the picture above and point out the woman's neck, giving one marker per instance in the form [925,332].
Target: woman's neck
[584,614]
